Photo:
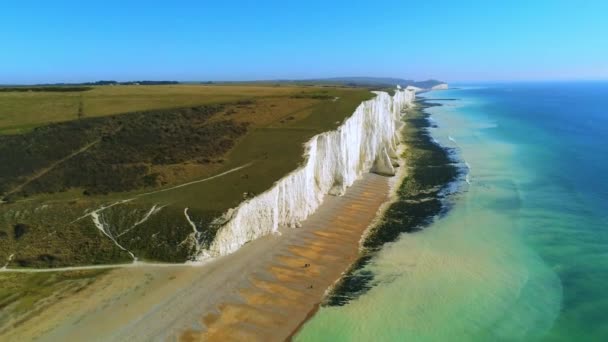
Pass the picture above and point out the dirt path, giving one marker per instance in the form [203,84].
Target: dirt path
[198,181]
[51,167]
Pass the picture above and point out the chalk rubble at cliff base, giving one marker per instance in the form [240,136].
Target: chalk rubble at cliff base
[366,141]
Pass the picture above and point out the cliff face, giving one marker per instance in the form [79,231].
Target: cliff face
[366,141]
[442,86]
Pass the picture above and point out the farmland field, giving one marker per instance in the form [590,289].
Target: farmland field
[21,111]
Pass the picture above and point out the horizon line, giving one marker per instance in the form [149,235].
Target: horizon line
[540,80]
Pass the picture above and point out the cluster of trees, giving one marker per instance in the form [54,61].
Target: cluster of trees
[126,146]
[23,155]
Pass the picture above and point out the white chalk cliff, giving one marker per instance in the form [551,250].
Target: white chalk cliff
[442,86]
[366,141]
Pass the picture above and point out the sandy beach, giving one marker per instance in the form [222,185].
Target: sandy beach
[262,292]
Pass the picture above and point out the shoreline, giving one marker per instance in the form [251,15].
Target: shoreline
[363,253]
[418,202]
[270,265]
[308,317]
[394,184]
[281,294]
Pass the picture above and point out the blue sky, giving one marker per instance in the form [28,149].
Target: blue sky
[73,41]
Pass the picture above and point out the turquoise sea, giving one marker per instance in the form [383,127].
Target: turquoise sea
[522,254]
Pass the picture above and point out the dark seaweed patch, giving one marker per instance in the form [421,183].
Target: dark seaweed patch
[354,283]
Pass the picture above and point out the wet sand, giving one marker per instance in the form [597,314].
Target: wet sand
[263,292]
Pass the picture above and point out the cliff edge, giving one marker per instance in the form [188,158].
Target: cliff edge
[366,141]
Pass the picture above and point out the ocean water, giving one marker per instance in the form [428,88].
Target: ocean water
[522,255]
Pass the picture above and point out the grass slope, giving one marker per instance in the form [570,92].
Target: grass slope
[54,229]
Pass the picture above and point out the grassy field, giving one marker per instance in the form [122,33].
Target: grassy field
[152,225]
[22,111]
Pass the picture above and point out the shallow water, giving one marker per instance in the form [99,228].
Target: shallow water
[523,252]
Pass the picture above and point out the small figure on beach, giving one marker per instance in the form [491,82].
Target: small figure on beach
[306,265]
